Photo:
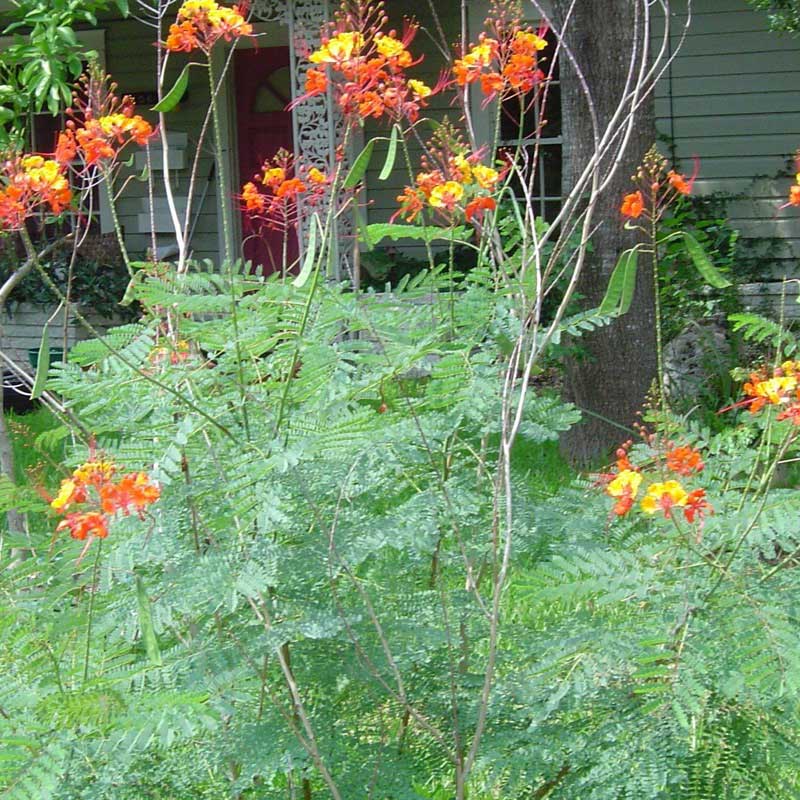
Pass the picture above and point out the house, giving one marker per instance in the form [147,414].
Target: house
[730,97]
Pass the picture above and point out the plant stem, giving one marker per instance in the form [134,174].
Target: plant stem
[92,585]
[227,245]
[106,174]
[662,396]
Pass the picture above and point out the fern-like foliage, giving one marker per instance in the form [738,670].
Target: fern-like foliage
[327,465]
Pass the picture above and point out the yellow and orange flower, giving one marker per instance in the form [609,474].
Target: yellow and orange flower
[202,23]
[271,198]
[776,390]
[624,487]
[93,483]
[29,184]
[664,497]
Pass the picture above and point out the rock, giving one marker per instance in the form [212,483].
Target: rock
[695,360]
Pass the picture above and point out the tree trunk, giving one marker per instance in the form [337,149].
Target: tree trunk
[617,364]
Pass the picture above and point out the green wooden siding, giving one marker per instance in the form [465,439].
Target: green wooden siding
[732,98]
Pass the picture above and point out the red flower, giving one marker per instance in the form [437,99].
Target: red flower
[476,207]
[792,413]
[696,506]
[80,526]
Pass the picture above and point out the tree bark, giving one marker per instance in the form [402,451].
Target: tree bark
[610,378]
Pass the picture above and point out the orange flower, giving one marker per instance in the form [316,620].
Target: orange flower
[411,204]
[254,201]
[794,195]
[316,82]
[27,184]
[66,148]
[133,491]
[182,38]
[679,182]
[102,138]
[684,460]
[522,73]
[632,205]
[81,526]
[290,188]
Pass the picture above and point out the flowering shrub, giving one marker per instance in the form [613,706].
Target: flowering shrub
[363,571]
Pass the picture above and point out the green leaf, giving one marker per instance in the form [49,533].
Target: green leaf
[427,233]
[123,7]
[621,285]
[391,154]
[360,165]
[175,94]
[702,263]
[42,364]
[311,253]
[146,623]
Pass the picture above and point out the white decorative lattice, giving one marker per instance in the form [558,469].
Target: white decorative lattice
[317,129]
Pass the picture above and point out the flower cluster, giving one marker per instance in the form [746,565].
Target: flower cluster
[658,187]
[202,23]
[776,387]
[102,124]
[505,61]
[28,183]
[453,182]
[271,197]
[94,489]
[664,495]
[366,67]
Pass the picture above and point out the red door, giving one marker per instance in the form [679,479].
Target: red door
[263,90]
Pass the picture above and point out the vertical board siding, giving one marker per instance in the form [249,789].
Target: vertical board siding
[732,99]
[131,60]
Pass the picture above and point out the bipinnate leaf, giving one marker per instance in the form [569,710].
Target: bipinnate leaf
[426,233]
